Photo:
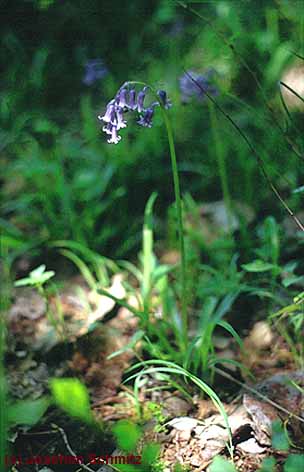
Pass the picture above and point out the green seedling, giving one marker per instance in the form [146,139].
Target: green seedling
[37,279]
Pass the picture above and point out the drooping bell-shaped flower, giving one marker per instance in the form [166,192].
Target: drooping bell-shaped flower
[132,99]
[163,98]
[109,116]
[121,123]
[127,100]
[121,97]
[107,128]
[146,119]
[115,138]
[140,99]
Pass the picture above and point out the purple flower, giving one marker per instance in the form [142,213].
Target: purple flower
[115,138]
[132,99]
[146,119]
[140,99]
[163,98]
[196,88]
[121,98]
[108,128]
[94,70]
[121,123]
[124,101]
[109,116]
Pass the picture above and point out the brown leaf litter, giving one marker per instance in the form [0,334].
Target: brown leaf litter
[30,328]
[195,442]
[70,315]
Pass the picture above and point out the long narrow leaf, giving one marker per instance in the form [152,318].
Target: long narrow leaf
[81,266]
[170,367]
[232,331]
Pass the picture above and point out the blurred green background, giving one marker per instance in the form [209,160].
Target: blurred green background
[59,177]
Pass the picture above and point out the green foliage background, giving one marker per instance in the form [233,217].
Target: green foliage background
[61,180]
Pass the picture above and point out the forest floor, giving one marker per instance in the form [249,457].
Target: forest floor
[189,428]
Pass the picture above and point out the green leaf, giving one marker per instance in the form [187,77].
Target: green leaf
[126,467]
[293,279]
[23,282]
[165,367]
[258,266]
[27,412]
[298,189]
[279,436]
[134,340]
[268,465]
[44,277]
[37,276]
[42,125]
[38,271]
[72,396]
[127,435]
[219,464]
[82,266]
[227,326]
[178,468]
[148,258]
[161,271]
[10,242]
[294,463]
[150,453]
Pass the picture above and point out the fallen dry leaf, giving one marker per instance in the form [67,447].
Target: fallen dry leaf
[103,303]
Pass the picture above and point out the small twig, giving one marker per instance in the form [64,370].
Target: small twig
[82,466]
[42,433]
[255,392]
[67,445]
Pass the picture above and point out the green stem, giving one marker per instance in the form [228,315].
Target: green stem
[180,227]
[179,211]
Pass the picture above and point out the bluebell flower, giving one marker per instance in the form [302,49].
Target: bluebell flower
[163,98]
[132,99]
[146,119]
[94,70]
[140,99]
[121,123]
[108,128]
[121,98]
[124,101]
[109,115]
[115,138]
[196,87]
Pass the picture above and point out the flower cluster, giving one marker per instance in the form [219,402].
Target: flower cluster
[94,70]
[126,100]
[196,88]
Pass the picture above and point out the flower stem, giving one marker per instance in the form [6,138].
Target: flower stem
[179,212]
[180,227]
